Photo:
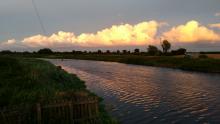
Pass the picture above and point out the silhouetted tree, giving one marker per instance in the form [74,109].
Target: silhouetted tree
[99,52]
[6,52]
[124,51]
[79,52]
[65,52]
[26,52]
[180,51]
[118,52]
[85,52]
[45,51]
[152,50]
[136,51]
[166,46]
[128,52]
[108,52]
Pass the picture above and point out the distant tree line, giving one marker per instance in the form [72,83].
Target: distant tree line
[151,51]
[166,46]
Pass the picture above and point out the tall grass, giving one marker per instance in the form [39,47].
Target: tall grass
[28,81]
[32,80]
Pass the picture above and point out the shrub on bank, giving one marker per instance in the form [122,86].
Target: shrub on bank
[203,56]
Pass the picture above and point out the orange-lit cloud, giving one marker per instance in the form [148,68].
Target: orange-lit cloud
[60,38]
[192,31]
[9,42]
[142,34]
[217,25]
[139,34]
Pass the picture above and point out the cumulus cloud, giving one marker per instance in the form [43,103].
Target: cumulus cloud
[192,31]
[9,42]
[126,34]
[61,38]
[141,34]
[217,25]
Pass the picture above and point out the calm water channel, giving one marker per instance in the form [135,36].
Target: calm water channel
[141,95]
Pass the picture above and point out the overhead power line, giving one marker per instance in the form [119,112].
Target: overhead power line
[39,17]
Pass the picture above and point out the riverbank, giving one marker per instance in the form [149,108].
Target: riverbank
[209,65]
[30,81]
[145,95]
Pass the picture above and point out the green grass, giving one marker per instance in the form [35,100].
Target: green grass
[29,80]
[202,65]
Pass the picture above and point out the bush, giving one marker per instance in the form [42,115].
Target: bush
[45,51]
[124,51]
[180,51]
[136,51]
[99,51]
[203,56]
[152,50]
[6,52]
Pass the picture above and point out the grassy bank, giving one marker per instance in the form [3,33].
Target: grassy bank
[27,80]
[193,64]
[31,80]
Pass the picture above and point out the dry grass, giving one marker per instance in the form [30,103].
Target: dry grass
[215,56]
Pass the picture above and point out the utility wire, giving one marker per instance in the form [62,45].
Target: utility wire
[39,17]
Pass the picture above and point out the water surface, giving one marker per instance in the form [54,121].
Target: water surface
[140,94]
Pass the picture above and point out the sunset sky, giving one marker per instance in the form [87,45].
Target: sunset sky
[110,24]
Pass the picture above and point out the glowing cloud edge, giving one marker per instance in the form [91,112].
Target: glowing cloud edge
[143,33]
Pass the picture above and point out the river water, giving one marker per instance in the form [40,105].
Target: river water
[141,94]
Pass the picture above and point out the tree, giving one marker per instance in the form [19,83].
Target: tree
[136,50]
[166,46]
[85,52]
[118,51]
[78,52]
[45,51]
[180,51]
[124,51]
[6,52]
[108,52]
[152,50]
[99,52]
[128,52]
[26,52]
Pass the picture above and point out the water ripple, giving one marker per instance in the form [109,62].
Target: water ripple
[140,94]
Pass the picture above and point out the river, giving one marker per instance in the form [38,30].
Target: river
[141,94]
